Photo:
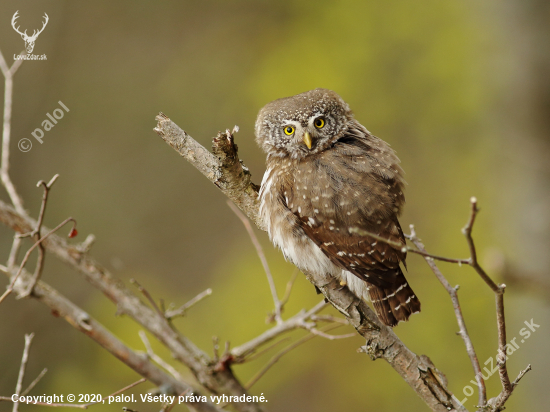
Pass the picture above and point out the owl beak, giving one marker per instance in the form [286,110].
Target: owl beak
[307,140]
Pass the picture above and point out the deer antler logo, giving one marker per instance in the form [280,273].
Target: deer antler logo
[29,40]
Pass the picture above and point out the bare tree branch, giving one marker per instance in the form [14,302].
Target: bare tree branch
[82,321]
[8,73]
[205,369]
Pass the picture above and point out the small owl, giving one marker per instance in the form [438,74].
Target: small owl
[328,182]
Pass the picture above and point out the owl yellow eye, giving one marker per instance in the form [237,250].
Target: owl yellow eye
[289,130]
[319,122]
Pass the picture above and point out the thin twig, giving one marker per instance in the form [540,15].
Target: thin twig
[26,257]
[241,353]
[289,286]
[6,292]
[6,132]
[499,298]
[330,337]
[521,375]
[459,317]
[328,318]
[262,257]
[171,314]
[148,296]
[266,349]
[24,359]
[83,322]
[467,231]
[497,403]
[16,246]
[157,358]
[36,234]
[34,382]
[405,248]
[279,355]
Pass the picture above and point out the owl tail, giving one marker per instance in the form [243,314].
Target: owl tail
[396,303]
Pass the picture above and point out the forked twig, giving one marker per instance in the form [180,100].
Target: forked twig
[27,255]
[36,235]
[496,404]
[507,387]
[34,382]
[279,355]
[463,332]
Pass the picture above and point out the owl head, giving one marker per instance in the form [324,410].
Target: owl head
[301,125]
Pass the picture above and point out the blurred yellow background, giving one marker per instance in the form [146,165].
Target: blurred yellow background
[460,89]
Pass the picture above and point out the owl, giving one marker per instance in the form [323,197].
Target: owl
[328,184]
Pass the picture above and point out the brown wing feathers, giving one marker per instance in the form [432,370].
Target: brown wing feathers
[356,185]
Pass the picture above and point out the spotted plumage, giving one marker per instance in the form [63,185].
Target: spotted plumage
[328,183]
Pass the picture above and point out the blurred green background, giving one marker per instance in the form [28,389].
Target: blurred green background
[460,89]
